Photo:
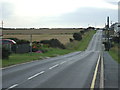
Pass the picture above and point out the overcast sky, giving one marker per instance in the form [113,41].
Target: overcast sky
[57,13]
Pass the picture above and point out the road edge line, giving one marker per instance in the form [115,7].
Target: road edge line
[95,75]
[12,86]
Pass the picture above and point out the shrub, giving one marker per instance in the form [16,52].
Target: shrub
[35,42]
[77,36]
[82,32]
[56,43]
[44,50]
[23,42]
[34,49]
[91,28]
[71,40]
[85,30]
[53,43]
[5,53]
[45,41]
[116,39]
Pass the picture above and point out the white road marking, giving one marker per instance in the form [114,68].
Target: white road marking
[36,75]
[63,62]
[54,66]
[13,86]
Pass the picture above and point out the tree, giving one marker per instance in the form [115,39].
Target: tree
[77,36]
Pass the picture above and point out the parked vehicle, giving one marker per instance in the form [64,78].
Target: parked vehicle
[7,41]
[8,44]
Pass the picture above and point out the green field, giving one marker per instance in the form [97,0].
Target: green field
[52,52]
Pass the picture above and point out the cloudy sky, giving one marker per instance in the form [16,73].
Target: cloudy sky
[57,13]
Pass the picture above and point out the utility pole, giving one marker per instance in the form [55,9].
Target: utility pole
[31,43]
[2,24]
[108,35]
[105,33]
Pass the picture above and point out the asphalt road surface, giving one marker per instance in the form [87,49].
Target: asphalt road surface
[74,70]
[111,70]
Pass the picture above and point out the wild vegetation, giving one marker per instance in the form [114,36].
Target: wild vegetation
[115,53]
[48,50]
[114,50]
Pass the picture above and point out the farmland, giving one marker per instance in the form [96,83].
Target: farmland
[71,47]
[62,35]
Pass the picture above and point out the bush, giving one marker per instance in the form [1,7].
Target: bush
[23,42]
[53,43]
[77,36]
[91,28]
[35,42]
[82,32]
[5,53]
[116,39]
[34,49]
[71,40]
[85,30]
[56,43]
[45,41]
[44,50]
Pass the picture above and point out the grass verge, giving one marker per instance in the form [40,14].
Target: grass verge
[71,47]
[21,58]
[81,45]
[114,53]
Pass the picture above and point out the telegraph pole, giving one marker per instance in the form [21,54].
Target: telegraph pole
[108,42]
[2,24]
[31,43]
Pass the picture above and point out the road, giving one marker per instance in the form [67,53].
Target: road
[111,69]
[74,70]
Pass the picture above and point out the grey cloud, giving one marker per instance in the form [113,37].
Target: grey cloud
[88,16]
[7,10]
[81,17]
[114,2]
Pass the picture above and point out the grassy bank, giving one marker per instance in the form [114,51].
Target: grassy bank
[114,52]
[81,45]
[71,47]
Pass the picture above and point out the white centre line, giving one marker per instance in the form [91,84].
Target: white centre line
[54,66]
[13,86]
[36,75]
[63,62]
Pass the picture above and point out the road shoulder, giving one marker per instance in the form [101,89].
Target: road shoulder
[111,71]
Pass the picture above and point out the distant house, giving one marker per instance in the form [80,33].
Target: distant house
[116,28]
